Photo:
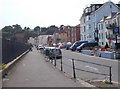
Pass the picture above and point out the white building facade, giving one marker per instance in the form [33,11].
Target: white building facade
[106,33]
[92,16]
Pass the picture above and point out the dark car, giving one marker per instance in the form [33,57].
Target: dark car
[87,46]
[76,44]
[53,53]
[68,47]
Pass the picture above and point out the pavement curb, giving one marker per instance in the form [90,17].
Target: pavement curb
[85,84]
[10,64]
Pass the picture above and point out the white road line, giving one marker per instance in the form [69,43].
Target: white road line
[6,79]
[92,68]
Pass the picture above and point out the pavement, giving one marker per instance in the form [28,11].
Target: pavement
[32,70]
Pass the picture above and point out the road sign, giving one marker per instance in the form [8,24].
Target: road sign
[116,30]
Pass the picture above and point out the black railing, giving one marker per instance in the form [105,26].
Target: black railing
[74,68]
[12,49]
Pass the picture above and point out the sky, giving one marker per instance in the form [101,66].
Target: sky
[43,13]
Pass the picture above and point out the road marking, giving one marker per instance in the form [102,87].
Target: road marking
[92,68]
[6,79]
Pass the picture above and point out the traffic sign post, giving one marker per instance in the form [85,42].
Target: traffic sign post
[116,31]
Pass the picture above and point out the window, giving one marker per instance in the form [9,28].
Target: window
[102,36]
[86,10]
[90,36]
[93,8]
[89,17]
[110,6]
[89,26]
[108,22]
[81,37]
[84,29]
[99,36]
[84,20]
[97,7]
[89,9]
[101,26]
[102,43]
[84,37]
[106,34]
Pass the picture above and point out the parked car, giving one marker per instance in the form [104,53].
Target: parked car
[53,52]
[76,44]
[61,46]
[87,46]
[40,47]
[68,45]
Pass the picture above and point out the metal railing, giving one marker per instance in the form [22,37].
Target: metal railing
[12,49]
[74,68]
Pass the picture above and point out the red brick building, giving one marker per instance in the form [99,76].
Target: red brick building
[73,33]
[49,40]
[68,34]
[77,32]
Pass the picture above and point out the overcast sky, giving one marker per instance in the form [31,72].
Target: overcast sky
[43,13]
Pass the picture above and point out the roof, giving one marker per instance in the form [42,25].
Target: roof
[118,13]
[103,19]
[112,14]
[117,5]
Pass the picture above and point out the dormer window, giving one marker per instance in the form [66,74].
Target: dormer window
[89,9]
[93,8]
[97,7]
[86,10]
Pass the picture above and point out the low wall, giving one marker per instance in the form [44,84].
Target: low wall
[99,53]
[88,52]
[107,54]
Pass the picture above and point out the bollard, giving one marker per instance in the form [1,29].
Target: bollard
[74,74]
[110,79]
[55,62]
[61,65]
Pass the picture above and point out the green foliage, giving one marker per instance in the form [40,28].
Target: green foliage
[49,30]
[9,31]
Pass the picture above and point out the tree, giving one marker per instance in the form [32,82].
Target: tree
[7,32]
[37,28]
[49,30]
[17,28]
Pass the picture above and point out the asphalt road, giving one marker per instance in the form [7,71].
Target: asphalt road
[67,66]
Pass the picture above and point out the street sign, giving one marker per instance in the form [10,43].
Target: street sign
[116,30]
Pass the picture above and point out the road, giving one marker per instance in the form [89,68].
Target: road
[68,55]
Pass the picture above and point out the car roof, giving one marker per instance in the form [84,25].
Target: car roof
[52,47]
[90,44]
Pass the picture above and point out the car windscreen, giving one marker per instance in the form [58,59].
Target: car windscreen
[81,45]
[57,51]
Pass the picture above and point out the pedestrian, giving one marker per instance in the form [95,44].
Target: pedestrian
[30,45]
